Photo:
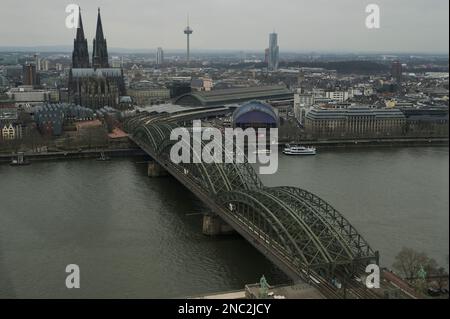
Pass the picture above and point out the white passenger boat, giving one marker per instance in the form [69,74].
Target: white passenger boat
[299,150]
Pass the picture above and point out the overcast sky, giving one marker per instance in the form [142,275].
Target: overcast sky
[302,25]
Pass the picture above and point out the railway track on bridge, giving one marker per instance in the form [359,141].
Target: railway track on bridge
[303,235]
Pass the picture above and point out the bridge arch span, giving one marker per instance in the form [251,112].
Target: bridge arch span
[297,227]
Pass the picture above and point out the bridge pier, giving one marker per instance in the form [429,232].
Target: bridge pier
[213,225]
[156,170]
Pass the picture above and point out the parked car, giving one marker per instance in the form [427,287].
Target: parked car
[433,292]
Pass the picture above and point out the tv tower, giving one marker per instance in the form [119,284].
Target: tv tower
[188,31]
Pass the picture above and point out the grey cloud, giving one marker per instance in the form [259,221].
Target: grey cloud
[303,25]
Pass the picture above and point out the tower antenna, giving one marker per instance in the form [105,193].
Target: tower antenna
[188,31]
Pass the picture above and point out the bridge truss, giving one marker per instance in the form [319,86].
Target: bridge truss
[299,231]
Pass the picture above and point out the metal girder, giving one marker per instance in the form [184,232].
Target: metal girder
[295,223]
[220,176]
[315,243]
[350,236]
[332,241]
[267,218]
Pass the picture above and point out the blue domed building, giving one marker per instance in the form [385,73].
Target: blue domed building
[255,114]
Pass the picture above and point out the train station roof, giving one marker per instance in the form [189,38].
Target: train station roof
[229,96]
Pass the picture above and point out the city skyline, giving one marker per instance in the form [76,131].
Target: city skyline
[290,156]
[406,26]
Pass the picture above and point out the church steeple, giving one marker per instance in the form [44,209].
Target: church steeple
[100,50]
[99,30]
[80,55]
[80,29]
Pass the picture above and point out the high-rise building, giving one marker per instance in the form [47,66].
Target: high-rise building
[80,55]
[37,62]
[30,76]
[300,79]
[274,52]
[100,50]
[188,31]
[45,65]
[397,71]
[266,56]
[159,56]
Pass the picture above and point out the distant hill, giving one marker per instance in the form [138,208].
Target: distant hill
[55,48]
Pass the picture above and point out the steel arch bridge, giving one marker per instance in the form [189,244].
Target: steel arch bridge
[297,230]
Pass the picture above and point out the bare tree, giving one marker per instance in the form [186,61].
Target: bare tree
[408,262]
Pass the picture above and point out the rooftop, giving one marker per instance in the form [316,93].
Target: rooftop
[323,113]
[117,133]
[254,106]
[228,96]
[8,114]
[108,72]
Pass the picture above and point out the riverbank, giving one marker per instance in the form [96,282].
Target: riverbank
[395,142]
[125,152]
[67,155]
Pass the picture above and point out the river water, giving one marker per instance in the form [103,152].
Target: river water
[138,237]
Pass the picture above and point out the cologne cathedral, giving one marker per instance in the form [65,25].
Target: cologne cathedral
[94,84]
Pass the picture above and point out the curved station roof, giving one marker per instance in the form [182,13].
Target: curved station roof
[255,112]
[229,96]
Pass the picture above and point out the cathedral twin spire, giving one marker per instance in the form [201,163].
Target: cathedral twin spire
[80,56]
[100,52]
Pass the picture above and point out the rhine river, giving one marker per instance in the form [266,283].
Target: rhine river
[137,237]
